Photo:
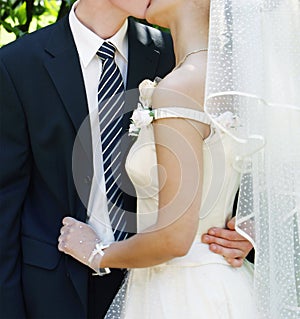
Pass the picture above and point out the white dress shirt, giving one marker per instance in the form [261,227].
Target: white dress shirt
[87,43]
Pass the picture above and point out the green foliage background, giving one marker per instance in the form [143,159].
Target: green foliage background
[18,17]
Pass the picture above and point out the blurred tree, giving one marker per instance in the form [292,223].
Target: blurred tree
[22,16]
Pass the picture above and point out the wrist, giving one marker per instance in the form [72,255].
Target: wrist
[95,258]
[95,263]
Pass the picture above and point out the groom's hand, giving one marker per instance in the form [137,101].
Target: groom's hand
[228,243]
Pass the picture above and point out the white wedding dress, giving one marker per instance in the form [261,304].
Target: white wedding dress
[200,285]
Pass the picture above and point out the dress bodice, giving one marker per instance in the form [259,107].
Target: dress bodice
[220,179]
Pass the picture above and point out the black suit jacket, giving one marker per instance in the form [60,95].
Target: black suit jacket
[42,106]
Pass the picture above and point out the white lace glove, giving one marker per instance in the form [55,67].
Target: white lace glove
[80,241]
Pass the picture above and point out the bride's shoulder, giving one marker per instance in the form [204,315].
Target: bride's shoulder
[182,87]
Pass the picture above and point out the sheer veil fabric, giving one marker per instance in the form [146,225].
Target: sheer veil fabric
[254,73]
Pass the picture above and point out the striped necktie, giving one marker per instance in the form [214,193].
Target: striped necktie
[110,108]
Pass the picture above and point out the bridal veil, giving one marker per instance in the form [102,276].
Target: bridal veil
[254,75]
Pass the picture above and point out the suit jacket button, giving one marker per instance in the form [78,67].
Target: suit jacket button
[87,180]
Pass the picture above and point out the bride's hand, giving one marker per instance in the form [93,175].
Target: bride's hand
[77,239]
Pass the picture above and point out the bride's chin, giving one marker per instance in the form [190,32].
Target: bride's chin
[153,17]
[150,17]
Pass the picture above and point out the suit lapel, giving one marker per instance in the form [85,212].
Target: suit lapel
[143,59]
[64,69]
[143,55]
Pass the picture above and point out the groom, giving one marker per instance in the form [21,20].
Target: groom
[46,80]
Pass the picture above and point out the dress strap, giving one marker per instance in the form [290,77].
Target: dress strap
[181,112]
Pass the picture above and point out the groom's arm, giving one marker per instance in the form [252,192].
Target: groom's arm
[228,243]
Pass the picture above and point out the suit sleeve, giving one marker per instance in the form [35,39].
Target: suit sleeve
[14,182]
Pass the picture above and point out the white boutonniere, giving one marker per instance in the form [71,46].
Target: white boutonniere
[228,120]
[143,114]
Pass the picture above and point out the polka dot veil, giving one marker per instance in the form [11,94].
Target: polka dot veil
[254,73]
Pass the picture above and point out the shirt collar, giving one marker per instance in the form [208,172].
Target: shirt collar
[88,42]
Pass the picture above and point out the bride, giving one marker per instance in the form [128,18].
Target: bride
[187,161]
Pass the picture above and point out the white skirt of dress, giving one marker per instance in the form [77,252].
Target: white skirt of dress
[208,291]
